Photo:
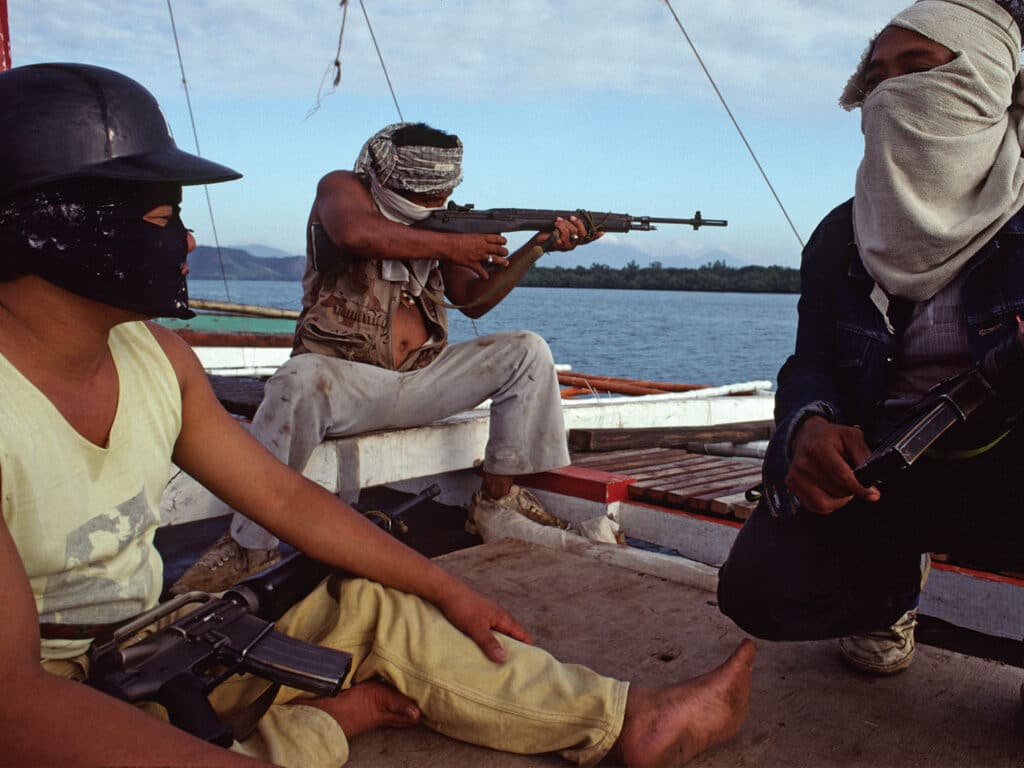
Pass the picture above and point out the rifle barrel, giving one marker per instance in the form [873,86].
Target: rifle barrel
[465,219]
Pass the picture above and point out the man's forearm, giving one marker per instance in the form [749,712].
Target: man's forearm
[52,721]
[326,529]
[374,237]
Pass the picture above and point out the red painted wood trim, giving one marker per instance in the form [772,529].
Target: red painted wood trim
[583,483]
[5,38]
[986,575]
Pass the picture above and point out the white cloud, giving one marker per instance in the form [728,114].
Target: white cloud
[761,53]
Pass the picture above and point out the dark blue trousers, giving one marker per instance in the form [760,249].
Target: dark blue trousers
[812,577]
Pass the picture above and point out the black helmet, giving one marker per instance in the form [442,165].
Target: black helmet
[66,121]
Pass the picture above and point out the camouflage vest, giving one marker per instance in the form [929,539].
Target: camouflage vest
[348,311]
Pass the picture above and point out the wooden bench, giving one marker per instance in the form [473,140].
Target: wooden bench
[450,447]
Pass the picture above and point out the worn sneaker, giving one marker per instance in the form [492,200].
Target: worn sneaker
[884,652]
[222,565]
[518,499]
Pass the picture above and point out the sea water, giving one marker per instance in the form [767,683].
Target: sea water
[674,336]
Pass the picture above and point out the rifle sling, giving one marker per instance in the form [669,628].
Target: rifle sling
[942,454]
[48,631]
[497,282]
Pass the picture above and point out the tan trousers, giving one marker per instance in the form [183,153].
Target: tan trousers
[530,704]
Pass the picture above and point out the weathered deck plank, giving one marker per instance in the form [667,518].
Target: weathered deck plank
[807,712]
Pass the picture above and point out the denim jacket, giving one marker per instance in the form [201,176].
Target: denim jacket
[844,355]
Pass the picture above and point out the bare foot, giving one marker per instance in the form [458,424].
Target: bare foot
[367,706]
[669,726]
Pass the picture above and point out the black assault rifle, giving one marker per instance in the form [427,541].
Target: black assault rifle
[944,406]
[180,664]
[462,218]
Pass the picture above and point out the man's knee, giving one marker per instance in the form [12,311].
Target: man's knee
[747,596]
[770,584]
[532,347]
[301,377]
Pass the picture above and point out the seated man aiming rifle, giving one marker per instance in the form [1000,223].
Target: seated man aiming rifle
[96,404]
[371,346]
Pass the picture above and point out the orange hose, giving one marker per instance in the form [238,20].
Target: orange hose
[571,378]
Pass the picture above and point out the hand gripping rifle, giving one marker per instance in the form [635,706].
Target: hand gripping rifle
[180,664]
[944,406]
[464,219]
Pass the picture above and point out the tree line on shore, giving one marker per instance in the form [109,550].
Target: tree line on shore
[237,264]
[714,276]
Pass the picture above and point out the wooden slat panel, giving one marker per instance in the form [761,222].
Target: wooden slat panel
[623,464]
[655,471]
[702,502]
[667,437]
[685,499]
[734,505]
[728,475]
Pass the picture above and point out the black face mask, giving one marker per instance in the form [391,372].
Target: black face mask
[89,238]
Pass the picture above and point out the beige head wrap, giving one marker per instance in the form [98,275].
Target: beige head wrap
[392,169]
[942,168]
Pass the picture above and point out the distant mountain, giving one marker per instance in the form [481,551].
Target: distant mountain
[204,264]
[264,251]
[261,262]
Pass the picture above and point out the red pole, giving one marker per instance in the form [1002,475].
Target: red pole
[5,38]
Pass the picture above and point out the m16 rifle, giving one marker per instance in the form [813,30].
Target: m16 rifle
[180,664]
[947,404]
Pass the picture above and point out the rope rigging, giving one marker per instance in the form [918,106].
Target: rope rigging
[195,136]
[336,64]
[736,124]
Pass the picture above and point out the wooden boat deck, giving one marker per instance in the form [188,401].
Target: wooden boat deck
[680,479]
[807,709]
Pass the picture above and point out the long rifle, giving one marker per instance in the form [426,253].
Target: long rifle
[491,221]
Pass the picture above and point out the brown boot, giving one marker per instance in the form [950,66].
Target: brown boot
[223,565]
[518,499]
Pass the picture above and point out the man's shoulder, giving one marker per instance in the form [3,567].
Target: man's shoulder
[835,230]
[342,179]
[840,217]
[342,189]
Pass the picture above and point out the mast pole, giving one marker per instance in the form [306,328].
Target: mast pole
[5,38]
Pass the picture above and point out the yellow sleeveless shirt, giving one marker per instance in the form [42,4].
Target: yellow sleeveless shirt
[83,517]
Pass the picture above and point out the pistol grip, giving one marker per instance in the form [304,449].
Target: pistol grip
[184,698]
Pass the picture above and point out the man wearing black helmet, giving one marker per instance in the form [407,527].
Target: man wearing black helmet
[96,405]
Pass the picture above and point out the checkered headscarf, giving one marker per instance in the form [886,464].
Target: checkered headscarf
[426,170]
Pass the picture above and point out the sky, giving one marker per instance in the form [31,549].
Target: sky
[566,104]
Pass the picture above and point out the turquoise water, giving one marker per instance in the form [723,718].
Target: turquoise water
[704,338]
